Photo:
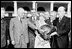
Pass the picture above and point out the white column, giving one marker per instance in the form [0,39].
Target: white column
[15,8]
[34,5]
[69,7]
[51,7]
[68,10]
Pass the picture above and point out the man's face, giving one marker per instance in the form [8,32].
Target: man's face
[2,13]
[21,14]
[52,15]
[34,13]
[61,13]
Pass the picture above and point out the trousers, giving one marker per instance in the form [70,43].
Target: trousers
[21,44]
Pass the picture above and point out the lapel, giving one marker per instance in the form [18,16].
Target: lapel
[18,24]
[63,19]
[23,24]
[18,20]
[61,23]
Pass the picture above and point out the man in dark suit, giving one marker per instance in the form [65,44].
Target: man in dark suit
[63,28]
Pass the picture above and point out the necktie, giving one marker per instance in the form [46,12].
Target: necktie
[21,20]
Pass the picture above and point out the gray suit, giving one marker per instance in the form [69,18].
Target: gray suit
[19,32]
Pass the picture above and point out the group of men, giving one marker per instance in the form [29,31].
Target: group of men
[18,28]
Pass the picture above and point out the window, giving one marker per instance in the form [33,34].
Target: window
[9,8]
[40,9]
[44,6]
[26,5]
[57,5]
[26,8]
[8,5]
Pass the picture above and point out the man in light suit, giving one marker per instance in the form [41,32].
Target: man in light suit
[19,29]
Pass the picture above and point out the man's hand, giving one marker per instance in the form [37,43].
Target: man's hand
[13,42]
[54,33]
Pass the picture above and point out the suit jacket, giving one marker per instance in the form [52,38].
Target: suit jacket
[63,28]
[55,21]
[53,38]
[3,33]
[17,29]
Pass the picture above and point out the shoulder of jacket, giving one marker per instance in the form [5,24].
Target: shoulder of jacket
[67,18]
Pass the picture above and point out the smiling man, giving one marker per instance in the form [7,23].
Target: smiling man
[19,29]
